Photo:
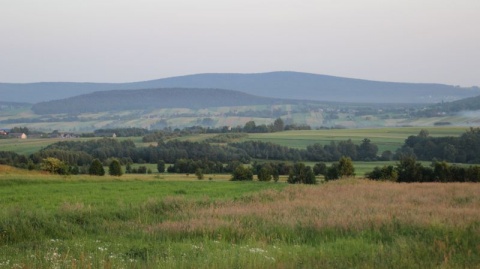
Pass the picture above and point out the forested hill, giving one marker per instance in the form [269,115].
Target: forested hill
[467,104]
[287,85]
[463,105]
[118,100]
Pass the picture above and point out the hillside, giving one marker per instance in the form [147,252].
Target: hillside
[467,104]
[9,106]
[466,107]
[286,85]
[121,100]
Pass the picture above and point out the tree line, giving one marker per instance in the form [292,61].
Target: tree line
[408,169]
[81,153]
[462,149]
[366,151]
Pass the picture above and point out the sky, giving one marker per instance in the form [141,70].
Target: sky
[434,41]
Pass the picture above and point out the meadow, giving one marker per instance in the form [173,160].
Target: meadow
[177,221]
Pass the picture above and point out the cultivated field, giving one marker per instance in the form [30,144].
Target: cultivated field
[174,221]
[385,138]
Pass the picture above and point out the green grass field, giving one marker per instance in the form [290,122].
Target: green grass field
[385,138]
[175,221]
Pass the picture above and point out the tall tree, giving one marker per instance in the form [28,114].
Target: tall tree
[96,168]
[249,127]
[265,173]
[367,151]
[278,125]
[345,167]
[300,173]
[115,169]
[161,166]
[408,169]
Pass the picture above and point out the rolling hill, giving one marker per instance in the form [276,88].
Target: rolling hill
[286,85]
[144,99]
[471,104]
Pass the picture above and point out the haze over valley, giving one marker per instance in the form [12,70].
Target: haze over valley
[216,100]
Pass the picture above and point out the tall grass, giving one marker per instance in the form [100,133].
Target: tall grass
[193,224]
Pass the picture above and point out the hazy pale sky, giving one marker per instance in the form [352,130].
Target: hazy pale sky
[134,40]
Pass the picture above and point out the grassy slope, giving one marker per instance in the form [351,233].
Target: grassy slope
[152,223]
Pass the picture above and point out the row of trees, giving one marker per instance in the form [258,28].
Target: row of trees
[298,173]
[463,149]
[82,153]
[56,166]
[207,157]
[366,151]
[408,169]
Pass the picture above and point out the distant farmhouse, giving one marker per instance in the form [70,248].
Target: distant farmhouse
[18,135]
[6,133]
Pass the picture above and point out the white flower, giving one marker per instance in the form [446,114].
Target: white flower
[257,250]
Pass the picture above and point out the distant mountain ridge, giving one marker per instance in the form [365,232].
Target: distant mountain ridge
[121,100]
[285,85]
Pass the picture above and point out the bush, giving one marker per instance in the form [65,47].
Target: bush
[199,173]
[242,173]
[54,166]
[384,173]
[265,173]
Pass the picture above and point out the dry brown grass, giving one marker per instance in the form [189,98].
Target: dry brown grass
[5,169]
[351,205]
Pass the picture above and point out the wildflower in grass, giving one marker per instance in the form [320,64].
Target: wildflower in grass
[257,250]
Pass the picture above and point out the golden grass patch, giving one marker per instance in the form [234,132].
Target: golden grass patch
[351,205]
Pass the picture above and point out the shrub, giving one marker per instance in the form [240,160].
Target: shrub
[242,173]
[383,173]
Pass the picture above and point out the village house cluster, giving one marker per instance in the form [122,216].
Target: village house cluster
[7,133]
